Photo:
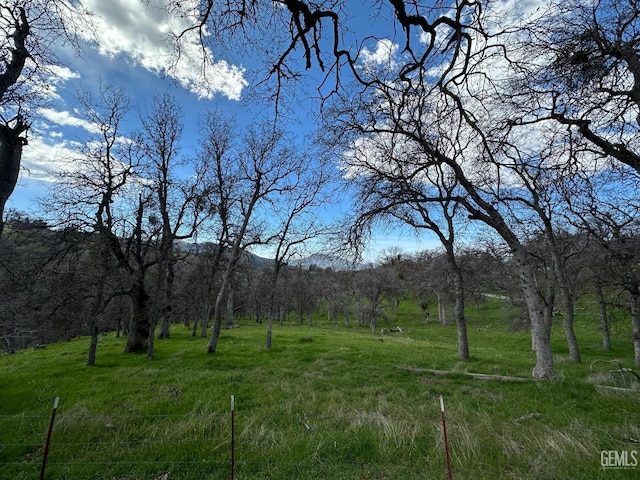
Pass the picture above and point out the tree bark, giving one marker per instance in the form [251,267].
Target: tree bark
[458,313]
[11,144]
[217,318]
[569,331]
[540,322]
[267,344]
[139,326]
[568,304]
[442,307]
[230,307]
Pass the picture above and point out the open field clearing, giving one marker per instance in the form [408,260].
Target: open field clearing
[326,402]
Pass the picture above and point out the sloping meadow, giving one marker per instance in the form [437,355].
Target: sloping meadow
[326,402]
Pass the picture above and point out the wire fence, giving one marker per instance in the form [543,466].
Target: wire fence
[221,445]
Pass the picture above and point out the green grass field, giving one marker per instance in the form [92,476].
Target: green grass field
[326,402]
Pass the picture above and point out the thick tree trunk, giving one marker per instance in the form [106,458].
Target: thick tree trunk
[10,156]
[138,337]
[11,142]
[540,322]
[604,321]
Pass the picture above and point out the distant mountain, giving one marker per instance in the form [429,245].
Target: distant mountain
[319,260]
[209,247]
[324,260]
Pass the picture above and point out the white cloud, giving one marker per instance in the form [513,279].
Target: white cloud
[42,158]
[46,86]
[64,118]
[141,31]
[62,74]
[383,58]
[384,53]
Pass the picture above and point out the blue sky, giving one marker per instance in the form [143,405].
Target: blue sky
[126,49]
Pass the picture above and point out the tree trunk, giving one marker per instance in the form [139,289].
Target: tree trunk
[230,307]
[267,344]
[11,142]
[10,156]
[138,338]
[204,322]
[93,343]
[194,331]
[442,307]
[167,309]
[458,313]
[217,318]
[569,331]
[568,304]
[604,321]
[231,264]
[540,323]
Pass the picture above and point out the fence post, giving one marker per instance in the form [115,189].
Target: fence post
[446,441]
[233,434]
[46,446]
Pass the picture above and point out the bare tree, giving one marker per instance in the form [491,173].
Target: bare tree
[178,197]
[289,38]
[587,76]
[29,29]
[394,193]
[263,168]
[298,221]
[99,192]
[607,211]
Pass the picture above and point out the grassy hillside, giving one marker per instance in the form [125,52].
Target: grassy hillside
[327,402]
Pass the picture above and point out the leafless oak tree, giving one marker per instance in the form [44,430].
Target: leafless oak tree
[29,30]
